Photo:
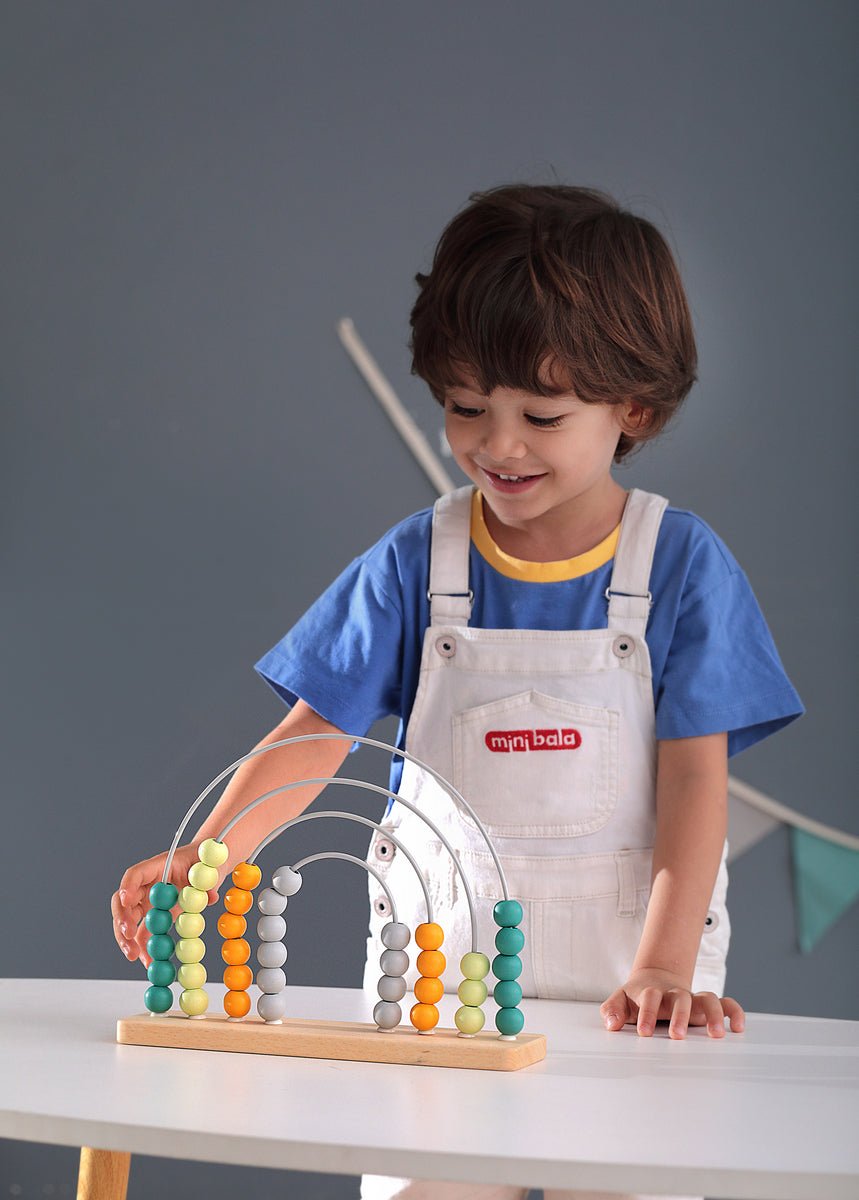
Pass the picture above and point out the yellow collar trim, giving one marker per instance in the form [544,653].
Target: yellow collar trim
[537,572]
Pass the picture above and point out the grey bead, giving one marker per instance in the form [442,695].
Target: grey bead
[387,1016]
[271,954]
[271,980]
[395,935]
[286,881]
[271,902]
[272,1007]
[394,962]
[392,987]
[271,929]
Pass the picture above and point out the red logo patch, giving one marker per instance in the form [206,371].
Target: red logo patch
[504,741]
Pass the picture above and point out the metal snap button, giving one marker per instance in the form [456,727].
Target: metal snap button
[711,921]
[623,646]
[384,850]
[381,907]
[446,646]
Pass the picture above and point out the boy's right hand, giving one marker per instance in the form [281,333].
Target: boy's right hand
[129,904]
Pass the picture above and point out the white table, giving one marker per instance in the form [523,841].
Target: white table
[769,1113]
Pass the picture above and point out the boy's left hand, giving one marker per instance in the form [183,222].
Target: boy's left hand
[652,995]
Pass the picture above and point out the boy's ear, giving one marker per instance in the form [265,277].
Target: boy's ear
[635,418]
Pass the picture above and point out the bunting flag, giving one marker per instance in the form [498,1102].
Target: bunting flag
[825,860]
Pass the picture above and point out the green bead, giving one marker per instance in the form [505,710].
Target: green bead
[509,940]
[474,965]
[507,966]
[161,972]
[163,895]
[472,992]
[212,853]
[203,877]
[194,1002]
[509,1021]
[469,1020]
[160,945]
[189,925]
[507,994]
[507,912]
[158,999]
[158,920]
[190,950]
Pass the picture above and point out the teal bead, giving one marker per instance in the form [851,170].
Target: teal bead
[509,1021]
[507,966]
[509,940]
[159,920]
[161,972]
[158,999]
[160,945]
[507,912]
[507,994]
[163,895]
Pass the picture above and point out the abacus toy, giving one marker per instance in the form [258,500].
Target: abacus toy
[271,1032]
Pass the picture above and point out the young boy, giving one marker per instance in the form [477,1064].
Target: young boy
[579,661]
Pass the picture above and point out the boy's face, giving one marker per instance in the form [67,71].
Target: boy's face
[559,449]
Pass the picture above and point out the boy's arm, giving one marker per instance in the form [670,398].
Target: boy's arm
[265,772]
[691,822]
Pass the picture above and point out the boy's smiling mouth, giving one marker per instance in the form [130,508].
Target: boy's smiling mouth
[510,483]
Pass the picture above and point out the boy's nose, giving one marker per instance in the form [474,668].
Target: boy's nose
[503,445]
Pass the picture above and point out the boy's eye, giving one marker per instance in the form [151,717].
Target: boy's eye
[543,422]
[459,410]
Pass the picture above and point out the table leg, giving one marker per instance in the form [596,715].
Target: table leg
[103,1174]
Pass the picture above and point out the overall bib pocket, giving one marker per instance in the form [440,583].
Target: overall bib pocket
[533,765]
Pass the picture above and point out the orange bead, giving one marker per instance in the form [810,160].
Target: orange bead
[231,926]
[247,875]
[429,936]
[235,952]
[237,900]
[431,963]
[429,991]
[237,1004]
[238,979]
[424,1016]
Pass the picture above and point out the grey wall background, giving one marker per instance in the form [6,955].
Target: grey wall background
[193,194]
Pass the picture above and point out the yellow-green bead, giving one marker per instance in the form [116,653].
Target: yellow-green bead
[191,975]
[203,877]
[193,900]
[469,1020]
[194,1002]
[212,853]
[472,992]
[474,965]
[190,924]
[190,950]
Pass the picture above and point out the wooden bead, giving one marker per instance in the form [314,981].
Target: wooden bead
[507,966]
[429,991]
[271,929]
[474,965]
[203,877]
[394,962]
[160,972]
[429,936]
[272,1007]
[235,952]
[271,980]
[424,1016]
[192,975]
[509,940]
[431,963]
[158,920]
[509,1021]
[286,881]
[271,902]
[231,925]
[472,992]
[212,853]
[469,1020]
[247,875]
[387,1015]
[194,1002]
[158,999]
[238,979]
[192,899]
[237,1004]
[395,935]
[392,988]
[507,913]
[238,901]
[189,925]
[163,895]
[160,945]
[271,954]
[190,950]
[507,994]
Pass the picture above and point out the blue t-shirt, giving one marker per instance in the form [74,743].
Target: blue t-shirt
[354,656]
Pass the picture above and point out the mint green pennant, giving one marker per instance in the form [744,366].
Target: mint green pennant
[825,884]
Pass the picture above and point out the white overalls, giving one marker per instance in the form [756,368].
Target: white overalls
[550,736]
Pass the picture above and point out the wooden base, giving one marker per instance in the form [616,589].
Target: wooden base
[103,1174]
[486,1051]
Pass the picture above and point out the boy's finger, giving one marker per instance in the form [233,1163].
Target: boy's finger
[713,1015]
[736,1014]
[648,1010]
[679,1022]
[615,1010]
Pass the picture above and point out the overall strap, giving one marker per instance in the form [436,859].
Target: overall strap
[449,594]
[628,594]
